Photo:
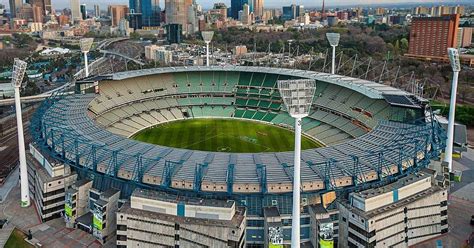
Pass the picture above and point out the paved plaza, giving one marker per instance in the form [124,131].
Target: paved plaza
[461,207]
[49,234]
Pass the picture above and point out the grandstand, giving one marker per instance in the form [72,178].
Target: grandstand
[371,133]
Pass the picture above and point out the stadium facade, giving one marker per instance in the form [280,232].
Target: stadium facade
[373,135]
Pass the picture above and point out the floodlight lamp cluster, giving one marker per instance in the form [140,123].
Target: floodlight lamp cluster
[297,96]
[207,36]
[453,54]
[86,44]
[19,69]
[333,38]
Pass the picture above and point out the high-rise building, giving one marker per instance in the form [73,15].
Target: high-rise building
[45,5]
[299,11]
[258,8]
[443,10]
[83,11]
[144,13]
[465,37]
[430,37]
[37,13]
[221,10]
[420,10]
[15,5]
[287,13]
[292,12]
[75,10]
[177,12]
[236,6]
[173,33]
[245,18]
[96,10]
[25,12]
[192,24]
[379,11]
[48,8]
[458,10]
[117,13]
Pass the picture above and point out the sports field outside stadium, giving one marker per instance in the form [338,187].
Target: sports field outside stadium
[223,135]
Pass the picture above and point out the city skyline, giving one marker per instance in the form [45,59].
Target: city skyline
[60,4]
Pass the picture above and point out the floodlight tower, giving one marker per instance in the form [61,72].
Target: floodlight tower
[333,39]
[297,96]
[86,44]
[456,65]
[289,48]
[207,37]
[19,68]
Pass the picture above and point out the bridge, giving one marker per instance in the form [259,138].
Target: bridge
[37,98]
[105,43]
[107,52]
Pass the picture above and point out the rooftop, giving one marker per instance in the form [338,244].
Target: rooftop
[233,223]
[396,205]
[81,182]
[109,193]
[162,196]
[411,178]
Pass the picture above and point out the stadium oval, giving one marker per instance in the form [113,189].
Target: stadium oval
[372,132]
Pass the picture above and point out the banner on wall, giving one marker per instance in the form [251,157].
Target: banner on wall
[326,235]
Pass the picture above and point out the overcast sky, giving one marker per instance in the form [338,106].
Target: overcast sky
[60,4]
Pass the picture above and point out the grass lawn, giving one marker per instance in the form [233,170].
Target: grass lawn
[223,135]
[17,240]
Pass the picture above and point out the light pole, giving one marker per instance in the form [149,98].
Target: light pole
[333,39]
[86,44]
[289,48]
[456,65]
[207,37]
[297,96]
[19,68]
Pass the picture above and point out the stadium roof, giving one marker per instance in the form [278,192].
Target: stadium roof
[368,88]
[386,144]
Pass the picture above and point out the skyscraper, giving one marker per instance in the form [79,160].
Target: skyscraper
[246,15]
[117,13]
[236,6]
[152,18]
[177,12]
[430,37]
[144,13]
[38,13]
[96,10]
[45,5]
[292,12]
[83,12]
[15,6]
[75,10]
[258,8]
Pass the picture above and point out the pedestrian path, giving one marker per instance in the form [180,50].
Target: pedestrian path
[5,233]
[10,183]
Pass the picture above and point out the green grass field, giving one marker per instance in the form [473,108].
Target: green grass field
[223,135]
[17,240]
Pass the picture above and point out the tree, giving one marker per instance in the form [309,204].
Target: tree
[134,36]
[396,47]
[404,45]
